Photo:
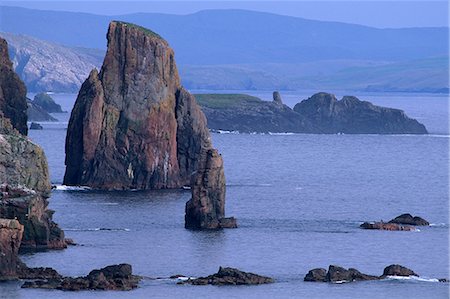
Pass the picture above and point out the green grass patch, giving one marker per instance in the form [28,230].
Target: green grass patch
[143,29]
[224,101]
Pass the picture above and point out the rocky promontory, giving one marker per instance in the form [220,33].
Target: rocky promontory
[322,113]
[133,125]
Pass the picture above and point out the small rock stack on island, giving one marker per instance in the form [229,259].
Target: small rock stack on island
[135,127]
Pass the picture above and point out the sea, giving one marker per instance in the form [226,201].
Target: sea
[299,200]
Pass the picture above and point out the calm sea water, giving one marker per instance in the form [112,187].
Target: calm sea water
[299,200]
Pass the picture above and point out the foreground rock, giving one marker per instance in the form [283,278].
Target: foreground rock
[24,177]
[248,114]
[337,274]
[115,277]
[10,237]
[230,276]
[206,209]
[386,226]
[327,115]
[13,101]
[410,220]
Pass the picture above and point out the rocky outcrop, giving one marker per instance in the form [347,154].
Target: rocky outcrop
[386,226]
[37,113]
[13,101]
[113,278]
[10,238]
[398,270]
[248,114]
[47,103]
[327,115]
[230,276]
[337,274]
[36,126]
[409,220]
[277,98]
[206,208]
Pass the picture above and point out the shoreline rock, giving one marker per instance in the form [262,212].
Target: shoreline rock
[230,276]
[386,226]
[112,278]
[10,238]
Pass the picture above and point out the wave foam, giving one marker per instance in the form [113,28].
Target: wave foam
[71,188]
[97,229]
[412,278]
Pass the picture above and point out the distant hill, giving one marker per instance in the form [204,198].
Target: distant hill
[237,36]
[45,66]
[235,49]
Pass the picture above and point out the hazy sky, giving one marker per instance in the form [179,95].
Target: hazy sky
[380,14]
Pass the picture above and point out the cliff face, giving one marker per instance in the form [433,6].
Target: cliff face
[10,238]
[351,116]
[13,101]
[133,126]
[24,178]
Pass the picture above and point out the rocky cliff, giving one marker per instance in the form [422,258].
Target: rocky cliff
[327,115]
[13,101]
[10,238]
[24,178]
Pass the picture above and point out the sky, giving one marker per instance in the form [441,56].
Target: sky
[380,14]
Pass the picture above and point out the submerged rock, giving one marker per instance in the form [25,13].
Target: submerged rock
[36,126]
[13,101]
[327,115]
[410,220]
[133,125]
[114,277]
[230,276]
[206,209]
[386,226]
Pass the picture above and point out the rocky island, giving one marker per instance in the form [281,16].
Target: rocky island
[322,113]
[134,126]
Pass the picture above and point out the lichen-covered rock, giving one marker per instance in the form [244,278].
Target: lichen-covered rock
[206,208]
[10,237]
[230,276]
[327,115]
[13,101]
[410,220]
[133,126]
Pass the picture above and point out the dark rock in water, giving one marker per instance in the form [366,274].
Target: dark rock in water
[36,126]
[339,274]
[327,115]
[47,103]
[133,126]
[386,226]
[115,277]
[231,276]
[37,113]
[410,220]
[317,274]
[13,101]
[206,209]
[443,280]
[24,272]
[10,238]
[277,98]
[248,114]
[398,270]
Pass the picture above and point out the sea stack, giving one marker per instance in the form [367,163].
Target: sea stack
[133,125]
